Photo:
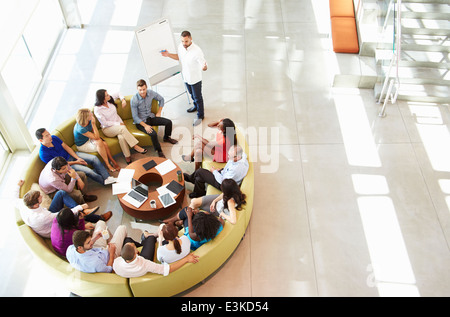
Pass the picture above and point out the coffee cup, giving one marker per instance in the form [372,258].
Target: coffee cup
[153,203]
[105,234]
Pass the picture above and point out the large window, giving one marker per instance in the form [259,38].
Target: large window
[30,33]
[21,75]
[4,151]
[31,48]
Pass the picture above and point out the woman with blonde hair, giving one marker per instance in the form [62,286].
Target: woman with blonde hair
[113,125]
[87,138]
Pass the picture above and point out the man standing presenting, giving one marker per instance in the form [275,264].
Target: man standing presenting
[193,63]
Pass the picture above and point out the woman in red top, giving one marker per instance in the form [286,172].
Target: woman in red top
[218,149]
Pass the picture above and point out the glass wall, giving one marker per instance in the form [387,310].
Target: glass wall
[4,151]
[30,33]
[24,68]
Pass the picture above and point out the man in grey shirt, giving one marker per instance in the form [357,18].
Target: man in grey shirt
[144,118]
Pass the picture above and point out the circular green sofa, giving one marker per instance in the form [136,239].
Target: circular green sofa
[211,255]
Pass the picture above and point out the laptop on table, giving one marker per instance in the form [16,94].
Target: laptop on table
[137,195]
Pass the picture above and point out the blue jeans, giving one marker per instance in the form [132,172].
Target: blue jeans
[195,91]
[62,198]
[99,172]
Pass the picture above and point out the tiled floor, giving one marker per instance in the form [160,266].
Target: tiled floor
[346,203]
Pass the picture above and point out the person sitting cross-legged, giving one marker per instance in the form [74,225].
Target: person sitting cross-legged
[113,125]
[87,138]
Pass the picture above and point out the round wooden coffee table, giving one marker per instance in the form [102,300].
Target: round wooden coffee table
[146,212]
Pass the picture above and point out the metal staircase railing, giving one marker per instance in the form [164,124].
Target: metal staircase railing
[392,82]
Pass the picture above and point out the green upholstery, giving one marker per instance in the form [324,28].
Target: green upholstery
[212,254]
[85,284]
[65,129]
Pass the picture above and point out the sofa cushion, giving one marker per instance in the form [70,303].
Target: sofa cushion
[32,172]
[342,8]
[344,35]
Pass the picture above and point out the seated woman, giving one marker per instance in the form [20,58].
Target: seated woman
[218,149]
[113,125]
[223,205]
[63,227]
[171,247]
[199,227]
[88,139]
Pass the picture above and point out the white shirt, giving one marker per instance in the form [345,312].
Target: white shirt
[39,219]
[138,267]
[192,63]
[234,170]
[107,116]
[165,255]
[220,208]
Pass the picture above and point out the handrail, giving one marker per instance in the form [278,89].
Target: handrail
[396,56]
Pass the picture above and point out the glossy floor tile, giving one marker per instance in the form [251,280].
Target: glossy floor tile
[346,203]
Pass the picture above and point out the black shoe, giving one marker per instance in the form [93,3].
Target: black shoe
[170,140]
[89,198]
[161,154]
[194,195]
[143,237]
[143,152]
[192,109]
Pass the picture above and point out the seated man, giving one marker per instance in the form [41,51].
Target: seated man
[92,254]
[58,175]
[131,264]
[40,219]
[144,118]
[236,169]
[52,146]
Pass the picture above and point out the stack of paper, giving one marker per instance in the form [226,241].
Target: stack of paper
[165,167]
[123,184]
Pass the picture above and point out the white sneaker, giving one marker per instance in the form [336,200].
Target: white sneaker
[110,180]
[197,122]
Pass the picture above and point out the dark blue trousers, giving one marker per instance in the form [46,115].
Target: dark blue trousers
[195,91]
